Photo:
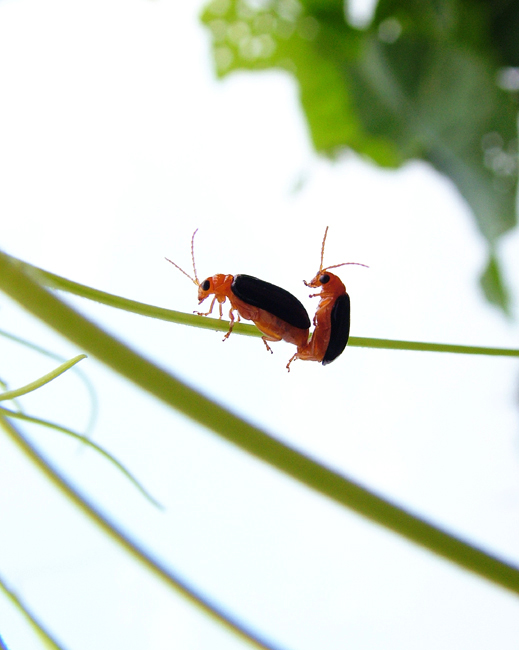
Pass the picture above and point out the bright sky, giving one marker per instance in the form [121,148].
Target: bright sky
[116,142]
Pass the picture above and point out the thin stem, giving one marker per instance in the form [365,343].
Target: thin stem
[138,552]
[37,626]
[38,383]
[388,344]
[89,443]
[57,282]
[76,369]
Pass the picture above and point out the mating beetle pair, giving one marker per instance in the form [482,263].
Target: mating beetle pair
[278,314]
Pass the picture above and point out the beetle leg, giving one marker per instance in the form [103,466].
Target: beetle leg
[290,361]
[265,339]
[199,313]
[231,324]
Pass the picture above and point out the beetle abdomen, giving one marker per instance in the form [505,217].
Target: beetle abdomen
[271,298]
[340,329]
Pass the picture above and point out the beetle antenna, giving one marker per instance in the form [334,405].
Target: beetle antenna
[335,265]
[197,282]
[322,248]
[345,264]
[182,271]
[195,279]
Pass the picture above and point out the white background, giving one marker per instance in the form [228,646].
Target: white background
[116,142]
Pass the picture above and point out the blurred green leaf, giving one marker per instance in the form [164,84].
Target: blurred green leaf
[425,80]
[492,285]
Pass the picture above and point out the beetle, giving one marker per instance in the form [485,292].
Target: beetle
[332,316]
[276,313]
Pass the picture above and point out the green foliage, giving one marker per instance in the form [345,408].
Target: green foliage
[425,80]
[492,284]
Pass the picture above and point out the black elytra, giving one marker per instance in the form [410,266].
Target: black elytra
[340,329]
[271,298]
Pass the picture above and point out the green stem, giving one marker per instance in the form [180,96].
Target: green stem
[57,282]
[139,553]
[38,383]
[389,344]
[83,376]
[89,443]
[47,639]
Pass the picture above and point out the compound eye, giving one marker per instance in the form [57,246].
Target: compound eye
[206,285]
[324,279]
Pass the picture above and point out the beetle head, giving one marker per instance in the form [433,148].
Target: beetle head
[330,283]
[323,278]
[205,288]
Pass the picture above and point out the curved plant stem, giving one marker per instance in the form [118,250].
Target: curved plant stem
[89,443]
[45,636]
[193,404]
[76,369]
[138,552]
[38,383]
[57,282]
